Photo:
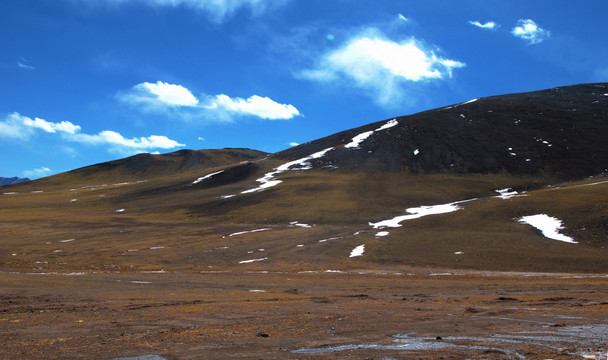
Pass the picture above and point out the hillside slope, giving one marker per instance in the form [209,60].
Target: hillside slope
[450,187]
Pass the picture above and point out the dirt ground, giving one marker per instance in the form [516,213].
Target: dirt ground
[397,314]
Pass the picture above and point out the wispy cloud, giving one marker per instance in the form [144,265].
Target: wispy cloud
[24,65]
[36,173]
[218,10]
[528,30]
[17,126]
[380,66]
[487,25]
[179,101]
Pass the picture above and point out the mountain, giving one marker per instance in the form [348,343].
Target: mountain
[513,182]
[12,180]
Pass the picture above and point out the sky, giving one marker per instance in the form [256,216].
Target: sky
[89,81]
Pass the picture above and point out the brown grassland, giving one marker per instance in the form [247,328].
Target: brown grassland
[127,263]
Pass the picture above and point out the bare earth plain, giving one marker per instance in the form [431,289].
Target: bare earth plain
[367,314]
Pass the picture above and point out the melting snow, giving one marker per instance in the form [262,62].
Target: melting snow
[418,212]
[388,125]
[268,179]
[458,253]
[548,225]
[329,239]
[295,223]
[157,247]
[382,233]
[65,241]
[118,211]
[357,140]
[468,102]
[358,251]
[250,231]
[252,260]
[506,193]
[206,177]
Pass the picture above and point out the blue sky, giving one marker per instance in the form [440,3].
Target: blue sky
[87,81]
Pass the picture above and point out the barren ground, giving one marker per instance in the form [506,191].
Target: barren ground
[397,314]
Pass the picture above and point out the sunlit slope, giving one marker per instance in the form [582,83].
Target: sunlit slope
[444,188]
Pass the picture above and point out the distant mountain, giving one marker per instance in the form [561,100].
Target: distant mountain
[471,185]
[13,180]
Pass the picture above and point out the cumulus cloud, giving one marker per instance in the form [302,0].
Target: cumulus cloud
[49,127]
[487,25]
[12,127]
[381,66]
[18,126]
[179,101]
[255,105]
[528,30]
[158,95]
[36,173]
[113,138]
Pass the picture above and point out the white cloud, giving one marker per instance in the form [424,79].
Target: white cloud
[255,105]
[12,127]
[381,66]
[36,173]
[159,95]
[50,127]
[113,138]
[528,30]
[18,126]
[179,101]
[488,25]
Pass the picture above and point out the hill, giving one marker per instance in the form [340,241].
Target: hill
[452,187]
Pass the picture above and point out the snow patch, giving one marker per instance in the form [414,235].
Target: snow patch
[206,177]
[119,211]
[548,225]
[382,233]
[357,140]
[252,260]
[65,241]
[329,239]
[388,125]
[468,102]
[268,179]
[418,212]
[247,232]
[506,193]
[416,152]
[358,251]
